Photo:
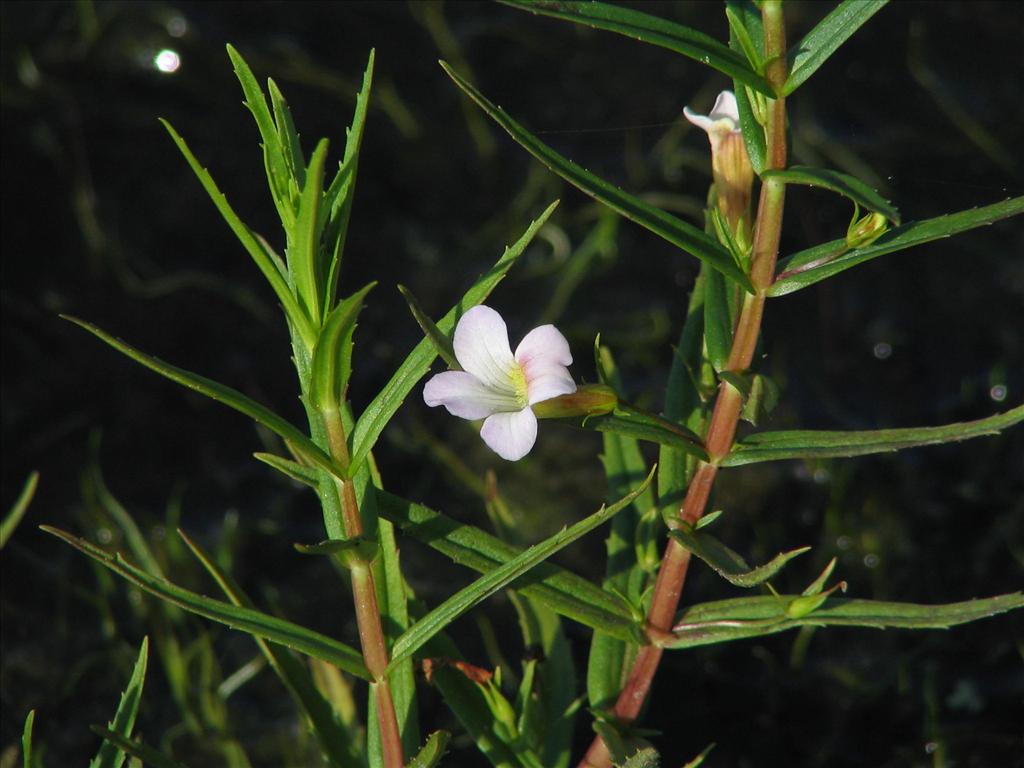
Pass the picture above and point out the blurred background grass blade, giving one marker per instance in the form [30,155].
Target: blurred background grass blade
[729,564]
[26,740]
[280,180]
[339,746]
[562,591]
[111,756]
[823,261]
[137,749]
[341,192]
[841,183]
[810,444]
[650,29]
[380,410]
[726,620]
[253,244]
[460,602]
[18,509]
[821,42]
[222,394]
[673,229]
[244,619]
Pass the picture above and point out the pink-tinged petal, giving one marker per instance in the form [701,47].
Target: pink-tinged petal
[726,108]
[547,380]
[545,342]
[481,347]
[461,393]
[510,435]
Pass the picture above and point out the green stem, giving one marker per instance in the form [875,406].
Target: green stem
[728,403]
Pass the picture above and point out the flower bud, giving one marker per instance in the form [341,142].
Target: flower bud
[587,400]
[866,230]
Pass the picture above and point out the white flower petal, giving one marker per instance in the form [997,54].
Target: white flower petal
[463,395]
[545,342]
[725,108]
[510,435]
[543,355]
[481,347]
[547,381]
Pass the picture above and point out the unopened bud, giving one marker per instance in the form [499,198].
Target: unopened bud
[588,400]
[866,230]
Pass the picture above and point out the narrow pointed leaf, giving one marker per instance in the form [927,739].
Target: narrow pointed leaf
[502,576]
[824,40]
[304,246]
[109,755]
[136,749]
[18,509]
[442,343]
[288,137]
[747,29]
[432,752]
[562,591]
[725,620]
[821,262]
[813,444]
[332,355]
[676,231]
[717,321]
[379,412]
[273,153]
[841,183]
[335,740]
[300,472]
[244,619]
[650,29]
[728,564]
[341,192]
[632,422]
[223,394]
[253,245]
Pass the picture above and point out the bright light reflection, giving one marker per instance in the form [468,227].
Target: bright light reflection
[167,61]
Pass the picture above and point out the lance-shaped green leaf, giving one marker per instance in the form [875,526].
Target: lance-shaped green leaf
[814,444]
[650,29]
[676,231]
[562,591]
[18,509]
[281,182]
[840,183]
[245,619]
[747,30]
[341,192]
[298,472]
[288,137]
[431,753]
[442,343]
[824,40]
[111,756]
[253,244]
[821,262]
[304,243]
[727,563]
[379,412]
[223,394]
[335,740]
[456,605]
[332,355]
[135,748]
[725,620]
[718,326]
[632,422]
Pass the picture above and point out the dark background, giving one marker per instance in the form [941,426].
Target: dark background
[101,218]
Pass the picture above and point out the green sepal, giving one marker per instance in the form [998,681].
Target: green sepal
[431,753]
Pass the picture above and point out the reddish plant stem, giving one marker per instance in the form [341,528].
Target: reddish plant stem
[728,403]
[364,596]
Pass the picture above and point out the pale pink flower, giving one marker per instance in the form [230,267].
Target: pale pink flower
[500,387]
